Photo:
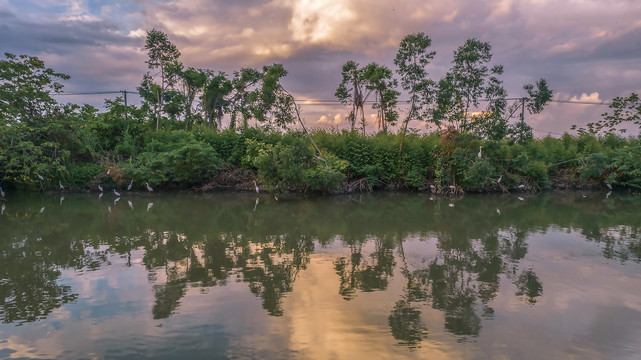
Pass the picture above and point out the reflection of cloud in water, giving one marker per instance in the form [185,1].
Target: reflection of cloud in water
[324,326]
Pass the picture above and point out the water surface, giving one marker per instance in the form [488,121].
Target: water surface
[380,276]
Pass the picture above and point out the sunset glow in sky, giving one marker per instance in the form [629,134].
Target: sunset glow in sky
[588,50]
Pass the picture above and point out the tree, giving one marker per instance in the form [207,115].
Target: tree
[161,52]
[32,124]
[194,81]
[378,78]
[214,100]
[243,82]
[491,123]
[25,90]
[350,92]
[411,59]
[465,83]
[624,110]
[539,95]
[271,104]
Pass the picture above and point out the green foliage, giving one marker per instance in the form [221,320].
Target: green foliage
[174,157]
[625,166]
[379,80]
[351,92]
[625,111]
[478,174]
[326,174]
[283,164]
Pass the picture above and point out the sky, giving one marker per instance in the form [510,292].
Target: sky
[587,50]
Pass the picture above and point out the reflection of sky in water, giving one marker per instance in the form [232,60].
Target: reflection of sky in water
[590,306]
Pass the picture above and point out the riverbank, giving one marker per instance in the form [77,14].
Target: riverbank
[449,162]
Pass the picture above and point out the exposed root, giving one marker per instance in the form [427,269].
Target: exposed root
[230,178]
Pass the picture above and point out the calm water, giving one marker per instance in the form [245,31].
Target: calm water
[220,276]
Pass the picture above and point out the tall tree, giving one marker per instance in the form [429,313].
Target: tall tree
[411,59]
[214,98]
[466,83]
[161,52]
[244,83]
[350,92]
[378,78]
[194,81]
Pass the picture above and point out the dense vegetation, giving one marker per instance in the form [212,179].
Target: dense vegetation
[173,141]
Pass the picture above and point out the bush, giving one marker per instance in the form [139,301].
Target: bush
[326,174]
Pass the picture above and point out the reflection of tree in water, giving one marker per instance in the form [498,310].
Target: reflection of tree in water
[205,247]
[269,267]
[460,281]
[30,288]
[406,324]
[359,273]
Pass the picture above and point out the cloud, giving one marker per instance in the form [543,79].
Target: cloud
[593,97]
[579,47]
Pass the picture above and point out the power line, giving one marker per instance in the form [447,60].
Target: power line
[333,101]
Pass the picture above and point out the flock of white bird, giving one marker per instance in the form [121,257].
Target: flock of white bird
[452,188]
[100,188]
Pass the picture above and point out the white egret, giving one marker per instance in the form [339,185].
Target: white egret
[499,180]
[498,211]
[3,207]
[131,184]
[131,205]
[480,154]
[108,171]
[520,198]
[109,208]
[521,186]
[41,178]
[149,206]
[256,187]
[432,187]
[276,198]
[116,200]
[451,205]
[100,188]
[609,186]
[1,192]
[42,210]
[100,196]
[452,187]
[60,184]
[116,193]
[431,199]
[149,187]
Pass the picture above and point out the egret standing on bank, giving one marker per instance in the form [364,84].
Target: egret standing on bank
[131,184]
[480,154]
[1,192]
[61,187]
[116,193]
[100,188]
[149,187]
[256,187]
